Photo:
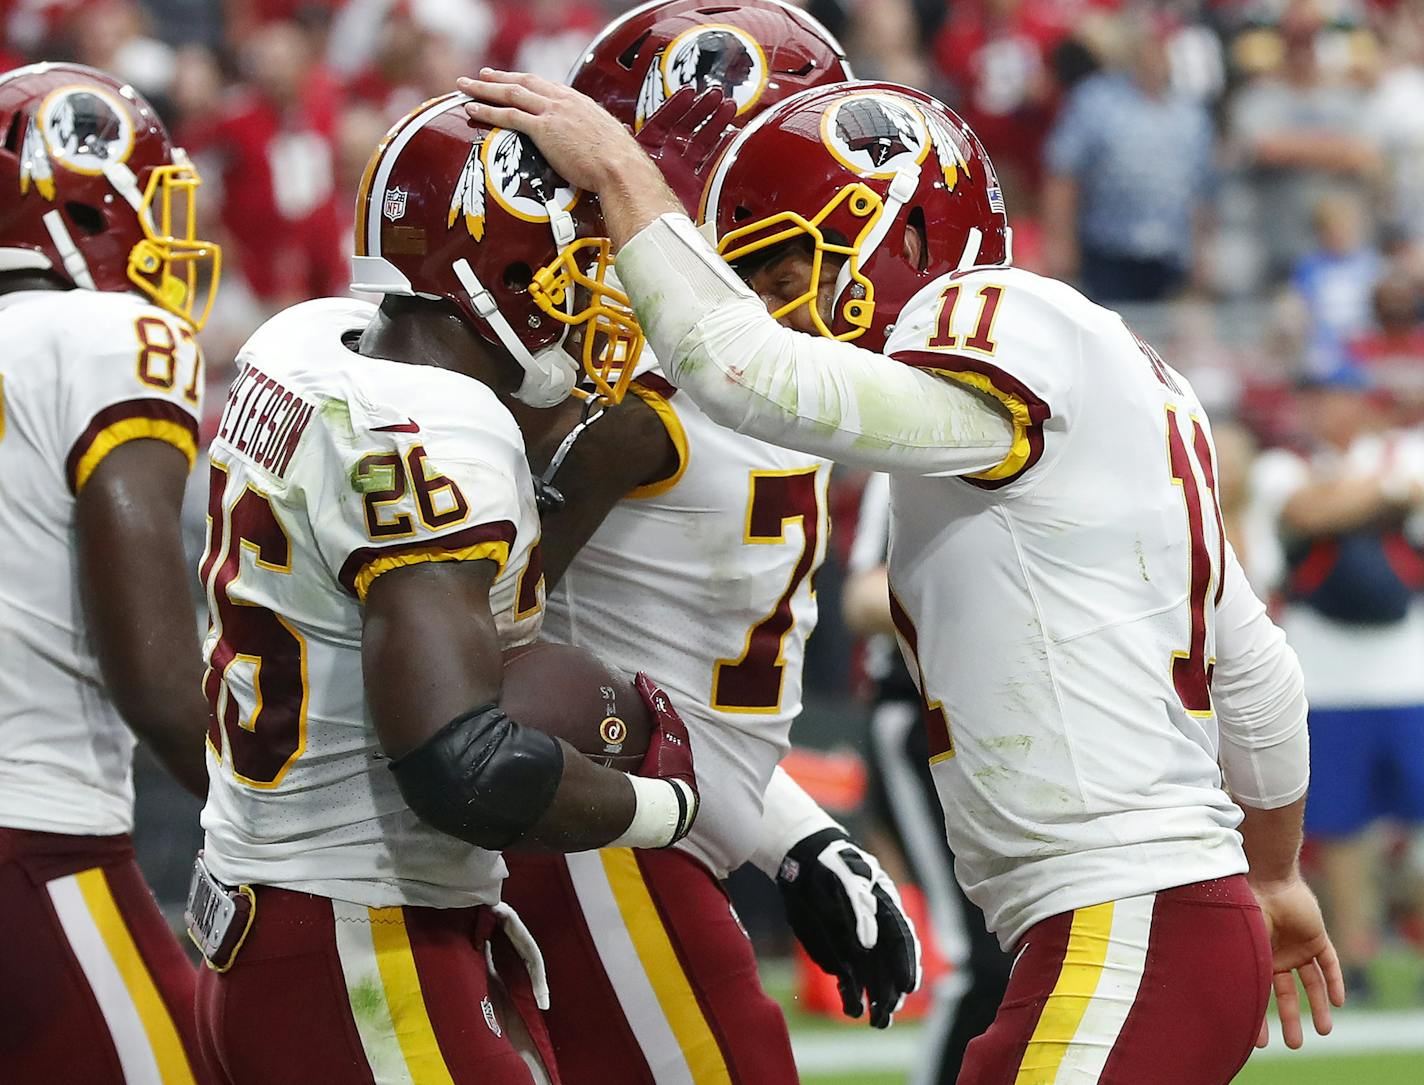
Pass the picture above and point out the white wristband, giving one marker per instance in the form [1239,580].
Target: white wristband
[660,813]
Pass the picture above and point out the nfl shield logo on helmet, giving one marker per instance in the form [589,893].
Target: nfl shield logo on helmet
[395,203]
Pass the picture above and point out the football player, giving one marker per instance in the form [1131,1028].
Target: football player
[103,285]
[693,547]
[1086,646]
[372,547]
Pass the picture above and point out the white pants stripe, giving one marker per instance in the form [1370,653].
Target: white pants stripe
[367,992]
[624,969]
[126,1029]
[1121,977]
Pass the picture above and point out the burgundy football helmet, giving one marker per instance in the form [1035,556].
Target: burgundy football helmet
[448,208]
[850,167]
[96,192]
[757,51]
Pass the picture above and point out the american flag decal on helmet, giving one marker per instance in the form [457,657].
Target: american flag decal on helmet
[996,200]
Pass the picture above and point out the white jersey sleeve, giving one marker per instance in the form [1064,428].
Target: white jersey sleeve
[127,370]
[1018,347]
[1259,694]
[81,374]
[402,491]
[814,395]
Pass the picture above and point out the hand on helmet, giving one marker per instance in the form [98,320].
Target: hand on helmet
[580,139]
[683,138]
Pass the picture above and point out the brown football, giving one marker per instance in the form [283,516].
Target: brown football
[570,693]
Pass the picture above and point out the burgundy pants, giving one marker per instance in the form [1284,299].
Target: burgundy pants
[651,976]
[1168,988]
[93,985]
[325,991]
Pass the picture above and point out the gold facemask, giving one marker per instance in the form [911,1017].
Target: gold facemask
[172,265]
[612,340]
[864,203]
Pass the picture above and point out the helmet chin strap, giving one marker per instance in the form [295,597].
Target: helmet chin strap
[901,192]
[972,244]
[75,265]
[549,375]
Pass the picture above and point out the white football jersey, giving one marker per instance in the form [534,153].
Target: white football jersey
[704,582]
[330,469]
[81,373]
[1059,609]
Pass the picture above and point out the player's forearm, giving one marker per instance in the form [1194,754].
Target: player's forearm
[632,194]
[1259,694]
[865,602]
[1344,504]
[625,447]
[1272,841]
[717,342]
[789,815]
[592,807]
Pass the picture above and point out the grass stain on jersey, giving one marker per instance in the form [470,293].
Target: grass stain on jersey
[1023,743]
[336,416]
[373,479]
[1141,560]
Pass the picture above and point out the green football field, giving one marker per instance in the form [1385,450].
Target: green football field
[1383,1045]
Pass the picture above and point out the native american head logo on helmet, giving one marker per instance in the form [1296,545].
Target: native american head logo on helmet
[84,129]
[875,133]
[708,55]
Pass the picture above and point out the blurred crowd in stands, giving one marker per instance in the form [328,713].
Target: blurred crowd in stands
[1243,179]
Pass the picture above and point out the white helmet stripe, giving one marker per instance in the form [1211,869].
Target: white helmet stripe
[377,196]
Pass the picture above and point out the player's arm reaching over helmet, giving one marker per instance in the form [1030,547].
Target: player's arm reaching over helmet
[716,337]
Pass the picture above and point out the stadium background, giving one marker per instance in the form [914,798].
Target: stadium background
[1244,179]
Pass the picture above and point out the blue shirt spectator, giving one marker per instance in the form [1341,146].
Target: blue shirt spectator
[1139,159]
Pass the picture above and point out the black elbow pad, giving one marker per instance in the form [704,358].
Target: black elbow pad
[481,777]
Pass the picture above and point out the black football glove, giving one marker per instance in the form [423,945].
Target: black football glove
[847,914]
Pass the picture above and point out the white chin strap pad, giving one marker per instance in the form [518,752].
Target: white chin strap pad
[972,244]
[901,191]
[75,265]
[550,375]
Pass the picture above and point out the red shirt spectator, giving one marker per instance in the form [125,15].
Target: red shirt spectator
[995,54]
[276,146]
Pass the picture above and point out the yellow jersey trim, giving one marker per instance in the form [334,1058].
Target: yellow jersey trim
[494,550]
[665,412]
[133,429]
[1019,451]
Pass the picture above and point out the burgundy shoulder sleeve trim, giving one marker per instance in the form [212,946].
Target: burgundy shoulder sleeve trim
[1027,410]
[159,419]
[443,547]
